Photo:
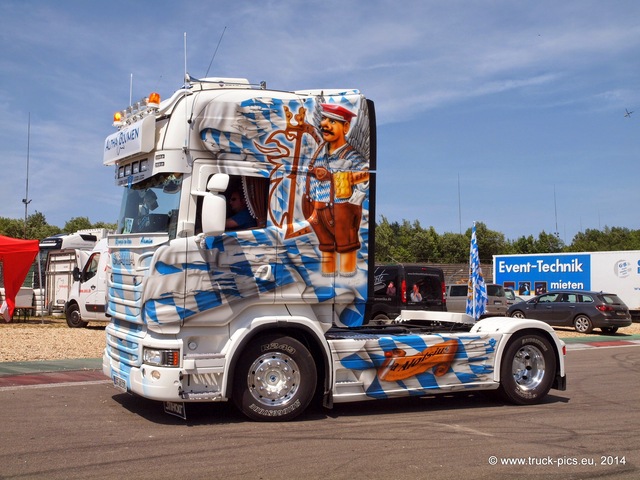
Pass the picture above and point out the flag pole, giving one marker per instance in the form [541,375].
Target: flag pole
[476,288]
[473,276]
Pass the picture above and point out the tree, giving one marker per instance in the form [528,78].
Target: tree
[384,241]
[10,227]
[524,245]
[425,245]
[549,243]
[37,227]
[77,223]
[610,239]
[587,241]
[454,248]
[108,226]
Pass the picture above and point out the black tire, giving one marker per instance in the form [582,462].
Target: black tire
[528,368]
[609,330]
[74,320]
[583,324]
[517,314]
[275,379]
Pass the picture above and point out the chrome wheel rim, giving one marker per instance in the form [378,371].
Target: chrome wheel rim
[528,367]
[273,379]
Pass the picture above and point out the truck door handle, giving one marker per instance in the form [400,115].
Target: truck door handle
[264,273]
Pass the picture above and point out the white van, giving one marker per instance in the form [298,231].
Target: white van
[87,298]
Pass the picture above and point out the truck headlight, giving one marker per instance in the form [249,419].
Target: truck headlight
[161,357]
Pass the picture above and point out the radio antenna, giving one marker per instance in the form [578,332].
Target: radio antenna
[185,57]
[214,53]
[186,108]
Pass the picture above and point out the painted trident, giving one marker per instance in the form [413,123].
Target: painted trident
[294,134]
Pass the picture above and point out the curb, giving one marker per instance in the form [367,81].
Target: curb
[600,338]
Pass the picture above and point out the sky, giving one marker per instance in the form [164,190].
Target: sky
[510,113]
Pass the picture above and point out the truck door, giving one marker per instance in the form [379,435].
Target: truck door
[92,287]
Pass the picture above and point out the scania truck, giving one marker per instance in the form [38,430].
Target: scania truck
[244,258]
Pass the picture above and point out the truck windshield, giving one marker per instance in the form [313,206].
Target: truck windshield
[151,205]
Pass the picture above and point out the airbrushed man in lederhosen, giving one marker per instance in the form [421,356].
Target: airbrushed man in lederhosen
[337,186]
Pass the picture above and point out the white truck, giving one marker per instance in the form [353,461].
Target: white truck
[611,272]
[62,254]
[243,262]
[88,294]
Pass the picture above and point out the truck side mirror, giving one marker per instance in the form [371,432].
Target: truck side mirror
[214,205]
[76,274]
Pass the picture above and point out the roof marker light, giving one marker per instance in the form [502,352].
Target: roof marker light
[154,100]
[137,111]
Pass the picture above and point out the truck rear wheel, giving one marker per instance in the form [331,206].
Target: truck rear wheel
[74,320]
[528,368]
[275,379]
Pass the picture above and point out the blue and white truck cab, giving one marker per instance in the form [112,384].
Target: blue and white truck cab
[261,300]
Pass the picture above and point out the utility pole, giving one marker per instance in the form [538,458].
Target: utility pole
[459,206]
[26,200]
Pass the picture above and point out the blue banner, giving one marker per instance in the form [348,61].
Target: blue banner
[537,274]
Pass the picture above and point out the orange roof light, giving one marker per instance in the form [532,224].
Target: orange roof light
[118,119]
[154,99]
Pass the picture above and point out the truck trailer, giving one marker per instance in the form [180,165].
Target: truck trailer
[611,272]
[244,258]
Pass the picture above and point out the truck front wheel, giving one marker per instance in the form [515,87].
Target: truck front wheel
[275,379]
[528,368]
[74,320]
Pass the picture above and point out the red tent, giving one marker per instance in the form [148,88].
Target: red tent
[16,256]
